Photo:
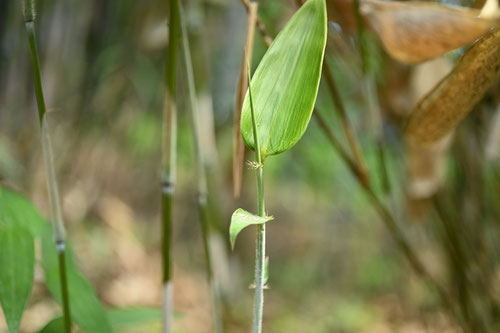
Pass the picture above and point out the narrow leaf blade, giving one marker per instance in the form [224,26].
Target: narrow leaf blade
[17,259]
[285,84]
[125,318]
[242,219]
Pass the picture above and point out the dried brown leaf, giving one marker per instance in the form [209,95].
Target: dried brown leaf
[441,110]
[416,31]
[239,146]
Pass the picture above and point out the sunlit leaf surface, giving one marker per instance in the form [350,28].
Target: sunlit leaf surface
[285,84]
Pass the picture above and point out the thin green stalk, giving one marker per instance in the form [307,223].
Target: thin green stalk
[260,255]
[58,224]
[169,158]
[201,173]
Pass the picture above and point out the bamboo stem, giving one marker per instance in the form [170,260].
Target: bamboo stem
[169,158]
[267,39]
[260,255]
[58,224]
[201,174]
[382,210]
[388,220]
[346,125]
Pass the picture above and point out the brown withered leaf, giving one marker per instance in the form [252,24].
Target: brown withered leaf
[441,110]
[417,31]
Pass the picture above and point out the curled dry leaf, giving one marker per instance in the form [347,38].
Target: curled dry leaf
[417,31]
[449,102]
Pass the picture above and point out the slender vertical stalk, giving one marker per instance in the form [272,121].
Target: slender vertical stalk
[346,125]
[58,224]
[239,146]
[201,173]
[260,255]
[169,157]
[266,38]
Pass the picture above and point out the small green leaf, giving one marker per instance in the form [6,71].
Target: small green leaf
[56,325]
[242,219]
[129,317]
[86,309]
[285,84]
[17,259]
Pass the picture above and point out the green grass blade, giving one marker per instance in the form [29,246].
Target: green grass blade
[285,84]
[17,260]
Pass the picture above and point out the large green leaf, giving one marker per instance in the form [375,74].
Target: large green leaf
[285,84]
[17,259]
[16,211]
[121,319]
[86,309]
[242,219]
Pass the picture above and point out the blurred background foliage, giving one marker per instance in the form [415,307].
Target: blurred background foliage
[333,266]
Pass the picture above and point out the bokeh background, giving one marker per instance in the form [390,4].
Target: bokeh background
[333,265]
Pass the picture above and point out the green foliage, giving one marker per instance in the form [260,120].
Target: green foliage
[120,319]
[17,259]
[130,317]
[286,82]
[242,219]
[18,213]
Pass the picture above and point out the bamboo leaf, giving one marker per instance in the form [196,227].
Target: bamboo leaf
[285,84]
[448,103]
[87,310]
[56,325]
[17,259]
[242,219]
[416,31]
[16,211]
[120,318]
[124,318]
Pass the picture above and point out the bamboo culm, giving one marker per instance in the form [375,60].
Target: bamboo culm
[260,252]
[169,158]
[201,174]
[58,224]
